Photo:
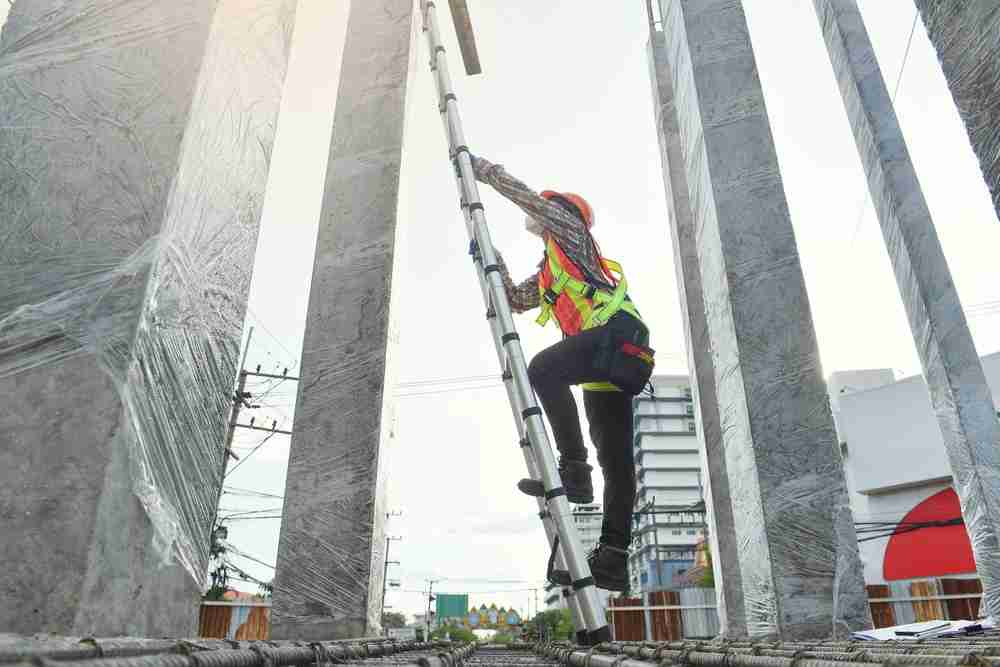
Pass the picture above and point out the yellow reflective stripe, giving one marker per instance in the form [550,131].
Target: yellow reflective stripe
[546,314]
[599,386]
[608,303]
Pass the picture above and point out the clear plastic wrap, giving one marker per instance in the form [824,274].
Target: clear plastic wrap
[966,36]
[959,393]
[331,552]
[796,548]
[729,588]
[135,141]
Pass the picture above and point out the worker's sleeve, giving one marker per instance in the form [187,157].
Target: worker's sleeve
[523,296]
[568,230]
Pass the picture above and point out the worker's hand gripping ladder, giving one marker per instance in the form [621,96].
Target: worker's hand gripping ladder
[554,510]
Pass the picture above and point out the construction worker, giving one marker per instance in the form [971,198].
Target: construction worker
[604,349]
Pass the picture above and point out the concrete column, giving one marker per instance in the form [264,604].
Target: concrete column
[133,160]
[722,535]
[958,389]
[966,36]
[796,547]
[330,555]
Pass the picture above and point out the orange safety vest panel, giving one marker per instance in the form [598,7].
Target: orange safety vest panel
[576,304]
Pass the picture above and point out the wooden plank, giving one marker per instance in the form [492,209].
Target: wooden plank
[214,622]
[882,613]
[466,38]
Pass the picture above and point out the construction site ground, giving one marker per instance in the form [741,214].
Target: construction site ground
[47,651]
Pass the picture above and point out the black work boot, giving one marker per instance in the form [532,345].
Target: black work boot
[576,481]
[609,567]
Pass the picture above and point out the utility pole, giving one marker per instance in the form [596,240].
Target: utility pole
[385,570]
[430,597]
[535,591]
[239,401]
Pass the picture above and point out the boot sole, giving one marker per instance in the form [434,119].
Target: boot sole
[562,578]
[616,585]
[534,488]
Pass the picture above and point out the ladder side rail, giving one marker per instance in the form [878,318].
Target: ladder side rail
[557,504]
[514,401]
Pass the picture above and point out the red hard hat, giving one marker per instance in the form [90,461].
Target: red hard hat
[578,202]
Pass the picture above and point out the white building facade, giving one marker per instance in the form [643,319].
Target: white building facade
[900,480]
[670,513]
[587,519]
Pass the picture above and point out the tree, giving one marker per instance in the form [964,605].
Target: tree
[555,624]
[456,632]
[502,638]
[708,580]
[391,619]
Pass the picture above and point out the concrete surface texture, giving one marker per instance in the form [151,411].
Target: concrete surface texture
[135,154]
[966,36]
[329,571]
[797,550]
[722,534]
[959,393]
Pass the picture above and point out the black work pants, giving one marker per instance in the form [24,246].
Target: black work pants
[609,414]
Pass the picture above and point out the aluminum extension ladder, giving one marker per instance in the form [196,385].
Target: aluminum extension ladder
[581,596]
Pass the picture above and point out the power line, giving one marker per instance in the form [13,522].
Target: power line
[450,390]
[254,451]
[235,491]
[899,80]
[257,318]
[234,550]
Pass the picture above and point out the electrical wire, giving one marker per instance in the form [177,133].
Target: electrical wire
[262,443]
[260,323]
[240,513]
[446,390]
[875,530]
[235,491]
[231,549]
[899,80]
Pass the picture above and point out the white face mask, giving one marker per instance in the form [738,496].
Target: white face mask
[532,226]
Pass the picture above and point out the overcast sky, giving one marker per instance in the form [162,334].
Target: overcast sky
[565,103]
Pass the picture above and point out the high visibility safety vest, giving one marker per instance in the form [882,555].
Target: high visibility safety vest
[575,304]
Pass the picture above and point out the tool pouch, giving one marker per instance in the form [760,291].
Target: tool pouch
[625,357]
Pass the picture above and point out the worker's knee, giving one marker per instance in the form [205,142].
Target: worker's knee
[536,371]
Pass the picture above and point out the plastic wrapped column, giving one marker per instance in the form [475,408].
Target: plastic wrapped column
[722,536]
[959,393]
[797,551]
[966,36]
[330,555]
[135,139]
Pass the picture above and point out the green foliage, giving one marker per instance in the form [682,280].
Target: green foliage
[555,624]
[456,632]
[708,580]
[503,638]
[214,593]
[391,619]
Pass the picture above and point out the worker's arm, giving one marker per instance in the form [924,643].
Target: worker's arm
[568,230]
[523,296]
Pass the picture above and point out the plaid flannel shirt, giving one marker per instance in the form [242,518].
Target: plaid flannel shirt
[568,230]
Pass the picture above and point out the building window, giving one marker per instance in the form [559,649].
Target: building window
[675,532]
